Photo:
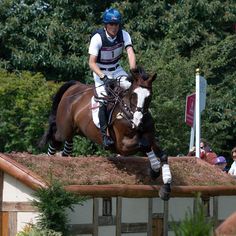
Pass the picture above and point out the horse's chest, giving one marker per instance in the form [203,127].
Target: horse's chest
[130,141]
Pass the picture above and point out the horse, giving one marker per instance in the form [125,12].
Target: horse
[131,125]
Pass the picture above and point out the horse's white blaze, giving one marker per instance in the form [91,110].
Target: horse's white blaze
[142,93]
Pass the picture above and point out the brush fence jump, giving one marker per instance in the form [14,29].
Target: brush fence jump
[112,210]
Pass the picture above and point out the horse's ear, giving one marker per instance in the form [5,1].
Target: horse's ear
[133,74]
[130,78]
[153,77]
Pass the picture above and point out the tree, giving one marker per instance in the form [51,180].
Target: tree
[50,37]
[172,38]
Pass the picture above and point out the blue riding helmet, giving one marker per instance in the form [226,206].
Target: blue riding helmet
[111,15]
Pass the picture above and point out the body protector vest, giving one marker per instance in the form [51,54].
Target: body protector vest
[110,52]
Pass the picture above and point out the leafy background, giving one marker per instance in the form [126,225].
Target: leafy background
[43,43]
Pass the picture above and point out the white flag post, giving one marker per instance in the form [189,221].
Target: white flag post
[200,106]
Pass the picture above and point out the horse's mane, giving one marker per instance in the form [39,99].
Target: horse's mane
[139,70]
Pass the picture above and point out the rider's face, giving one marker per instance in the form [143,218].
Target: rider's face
[112,29]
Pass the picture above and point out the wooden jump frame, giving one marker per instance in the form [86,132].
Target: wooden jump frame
[157,224]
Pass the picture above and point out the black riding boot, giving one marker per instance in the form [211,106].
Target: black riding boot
[107,140]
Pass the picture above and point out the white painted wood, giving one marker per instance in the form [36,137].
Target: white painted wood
[158,205]
[25,217]
[134,210]
[226,206]
[106,230]
[15,191]
[178,207]
[81,214]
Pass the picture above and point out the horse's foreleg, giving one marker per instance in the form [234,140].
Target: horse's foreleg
[162,158]
[68,148]
[165,190]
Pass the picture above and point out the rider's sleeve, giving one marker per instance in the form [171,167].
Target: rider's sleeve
[127,39]
[95,45]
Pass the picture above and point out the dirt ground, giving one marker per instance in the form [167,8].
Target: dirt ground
[95,170]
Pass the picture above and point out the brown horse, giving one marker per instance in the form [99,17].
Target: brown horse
[131,125]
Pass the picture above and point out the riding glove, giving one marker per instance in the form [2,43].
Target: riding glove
[107,82]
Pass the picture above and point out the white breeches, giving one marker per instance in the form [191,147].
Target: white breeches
[119,73]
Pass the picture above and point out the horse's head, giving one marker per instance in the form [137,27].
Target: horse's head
[141,92]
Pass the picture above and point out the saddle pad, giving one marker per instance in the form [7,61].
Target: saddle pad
[95,109]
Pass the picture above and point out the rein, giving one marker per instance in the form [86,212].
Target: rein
[116,97]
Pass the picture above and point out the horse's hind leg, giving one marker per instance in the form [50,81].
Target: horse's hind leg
[53,147]
[68,148]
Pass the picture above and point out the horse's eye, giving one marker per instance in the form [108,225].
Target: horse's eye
[133,99]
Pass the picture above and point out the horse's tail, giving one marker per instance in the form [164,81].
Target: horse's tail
[49,133]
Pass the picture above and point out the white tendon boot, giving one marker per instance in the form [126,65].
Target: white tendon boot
[166,175]
[155,162]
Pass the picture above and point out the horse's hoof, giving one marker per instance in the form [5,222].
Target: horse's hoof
[155,174]
[164,192]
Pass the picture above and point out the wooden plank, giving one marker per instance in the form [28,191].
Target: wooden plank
[0,223]
[5,223]
[106,220]
[165,218]
[118,215]
[1,188]
[21,173]
[134,227]
[157,226]
[149,225]
[12,223]
[215,211]
[158,215]
[18,206]
[141,191]
[95,216]
[1,197]
[206,204]
[76,229]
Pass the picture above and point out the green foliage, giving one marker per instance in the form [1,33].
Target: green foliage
[171,38]
[24,104]
[52,203]
[32,230]
[46,36]
[85,147]
[194,224]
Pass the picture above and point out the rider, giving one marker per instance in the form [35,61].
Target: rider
[105,52]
